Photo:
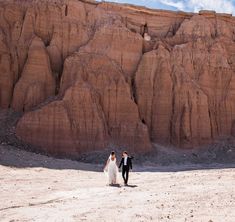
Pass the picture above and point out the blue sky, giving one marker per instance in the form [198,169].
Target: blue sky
[223,6]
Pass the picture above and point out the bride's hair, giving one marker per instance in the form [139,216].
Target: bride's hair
[112,153]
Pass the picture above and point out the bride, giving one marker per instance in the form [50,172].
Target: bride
[112,169]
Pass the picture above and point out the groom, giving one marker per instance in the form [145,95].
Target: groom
[126,166]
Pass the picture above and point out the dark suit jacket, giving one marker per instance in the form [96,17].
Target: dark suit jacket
[129,163]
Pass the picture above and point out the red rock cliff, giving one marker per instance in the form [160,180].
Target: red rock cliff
[90,75]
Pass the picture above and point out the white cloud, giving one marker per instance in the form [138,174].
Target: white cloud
[179,4]
[218,5]
[225,6]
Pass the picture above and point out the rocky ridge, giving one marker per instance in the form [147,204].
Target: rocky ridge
[91,75]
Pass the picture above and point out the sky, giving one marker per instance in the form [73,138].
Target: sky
[222,6]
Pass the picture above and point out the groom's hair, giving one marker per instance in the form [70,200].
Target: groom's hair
[125,152]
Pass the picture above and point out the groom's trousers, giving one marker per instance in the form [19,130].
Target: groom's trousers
[125,173]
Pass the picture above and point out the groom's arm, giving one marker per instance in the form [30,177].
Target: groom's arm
[130,163]
[121,163]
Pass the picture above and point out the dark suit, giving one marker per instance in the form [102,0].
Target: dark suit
[126,168]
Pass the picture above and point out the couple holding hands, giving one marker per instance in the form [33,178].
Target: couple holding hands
[111,167]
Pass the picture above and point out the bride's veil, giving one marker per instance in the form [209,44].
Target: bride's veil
[106,168]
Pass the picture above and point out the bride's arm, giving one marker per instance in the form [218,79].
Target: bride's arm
[106,163]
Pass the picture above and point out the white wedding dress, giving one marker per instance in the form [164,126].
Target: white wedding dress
[112,171]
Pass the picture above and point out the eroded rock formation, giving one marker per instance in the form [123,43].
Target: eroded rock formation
[91,75]
[36,82]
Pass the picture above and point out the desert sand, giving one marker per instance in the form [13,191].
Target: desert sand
[39,188]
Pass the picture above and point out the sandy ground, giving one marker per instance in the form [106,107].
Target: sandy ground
[38,188]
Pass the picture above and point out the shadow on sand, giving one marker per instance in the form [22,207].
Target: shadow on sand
[131,186]
[16,158]
[120,186]
[115,185]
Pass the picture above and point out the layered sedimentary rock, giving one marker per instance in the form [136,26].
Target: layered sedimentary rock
[154,93]
[96,110]
[6,75]
[109,38]
[69,126]
[91,75]
[108,80]
[185,92]
[36,83]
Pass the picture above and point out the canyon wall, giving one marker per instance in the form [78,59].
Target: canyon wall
[90,75]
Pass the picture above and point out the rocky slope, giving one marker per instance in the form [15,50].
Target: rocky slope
[91,75]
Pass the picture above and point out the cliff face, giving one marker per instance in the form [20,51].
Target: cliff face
[89,75]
